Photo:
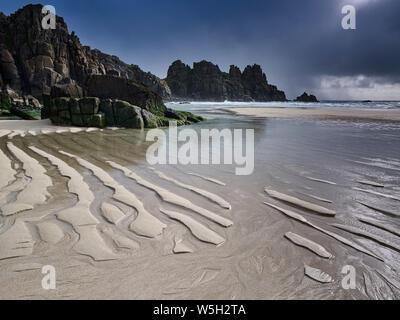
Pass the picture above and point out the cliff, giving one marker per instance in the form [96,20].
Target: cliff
[205,81]
[36,62]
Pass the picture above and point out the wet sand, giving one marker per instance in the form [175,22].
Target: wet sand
[323,195]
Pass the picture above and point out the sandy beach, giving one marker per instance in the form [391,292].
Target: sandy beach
[323,196]
[321,114]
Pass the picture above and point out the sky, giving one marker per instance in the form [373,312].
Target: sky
[300,44]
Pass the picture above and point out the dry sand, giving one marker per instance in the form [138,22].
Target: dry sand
[322,114]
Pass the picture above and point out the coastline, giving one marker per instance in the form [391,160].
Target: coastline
[384,115]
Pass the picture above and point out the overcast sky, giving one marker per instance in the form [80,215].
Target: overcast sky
[300,44]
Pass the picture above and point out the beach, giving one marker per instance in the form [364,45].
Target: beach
[353,114]
[324,195]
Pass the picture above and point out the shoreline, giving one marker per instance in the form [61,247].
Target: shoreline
[380,115]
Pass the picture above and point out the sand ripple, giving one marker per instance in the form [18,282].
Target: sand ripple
[35,192]
[343,240]
[80,213]
[299,202]
[200,231]
[7,173]
[211,196]
[145,224]
[16,241]
[317,274]
[170,197]
[311,245]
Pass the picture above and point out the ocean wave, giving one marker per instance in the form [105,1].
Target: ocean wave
[203,105]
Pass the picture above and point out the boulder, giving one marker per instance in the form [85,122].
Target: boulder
[127,115]
[149,119]
[106,107]
[26,112]
[98,120]
[89,106]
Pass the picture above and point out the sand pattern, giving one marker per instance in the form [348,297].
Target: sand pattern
[343,240]
[79,214]
[368,234]
[213,180]
[388,196]
[16,241]
[384,211]
[172,198]
[199,230]
[7,173]
[394,230]
[50,232]
[309,244]
[99,237]
[35,192]
[112,213]
[317,275]
[211,196]
[145,223]
[299,202]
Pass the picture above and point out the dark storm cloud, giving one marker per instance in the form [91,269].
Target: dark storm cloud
[298,43]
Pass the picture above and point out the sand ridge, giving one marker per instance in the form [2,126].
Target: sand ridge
[211,196]
[145,223]
[35,192]
[343,240]
[172,198]
[7,173]
[299,202]
[200,231]
[309,244]
[213,180]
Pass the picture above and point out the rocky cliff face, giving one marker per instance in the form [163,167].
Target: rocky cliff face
[114,66]
[34,61]
[205,81]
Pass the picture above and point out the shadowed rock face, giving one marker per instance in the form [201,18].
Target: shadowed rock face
[207,82]
[114,66]
[305,97]
[34,61]
[128,90]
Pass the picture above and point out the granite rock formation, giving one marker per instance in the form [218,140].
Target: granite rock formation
[38,62]
[114,66]
[305,97]
[206,82]
[95,112]
[53,68]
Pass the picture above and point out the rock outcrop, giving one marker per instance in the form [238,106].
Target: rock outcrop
[34,61]
[53,68]
[305,97]
[134,92]
[95,112]
[205,81]
[115,67]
